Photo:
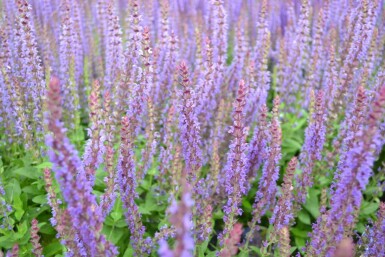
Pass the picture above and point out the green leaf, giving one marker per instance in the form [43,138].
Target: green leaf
[149,204]
[119,224]
[246,206]
[46,228]
[53,248]
[113,234]
[40,199]
[116,216]
[33,190]
[129,251]
[255,249]
[28,172]
[152,171]
[360,227]
[146,185]
[21,230]
[300,242]
[297,232]
[369,208]
[12,188]
[8,240]
[218,214]
[18,207]
[292,144]
[211,254]
[202,248]
[44,165]
[312,203]
[304,217]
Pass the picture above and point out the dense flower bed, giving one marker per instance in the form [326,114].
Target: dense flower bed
[180,128]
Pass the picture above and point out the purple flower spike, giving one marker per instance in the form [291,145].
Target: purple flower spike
[188,125]
[267,188]
[375,236]
[234,171]
[314,140]
[77,191]
[181,220]
[127,182]
[330,228]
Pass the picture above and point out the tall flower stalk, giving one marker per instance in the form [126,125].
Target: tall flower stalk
[353,178]
[267,187]
[234,171]
[77,191]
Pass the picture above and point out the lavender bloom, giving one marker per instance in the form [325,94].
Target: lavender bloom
[202,209]
[133,48]
[31,69]
[260,59]
[313,79]
[219,35]
[37,249]
[265,196]
[283,211]
[22,121]
[91,159]
[330,77]
[355,174]
[166,74]
[8,114]
[78,46]
[240,48]
[205,105]
[258,145]
[314,140]
[217,139]
[166,154]
[76,189]
[107,152]
[189,126]
[355,49]
[127,181]
[350,127]
[67,55]
[376,236]
[219,42]
[151,134]
[181,220]
[234,171]
[114,49]
[60,219]
[298,58]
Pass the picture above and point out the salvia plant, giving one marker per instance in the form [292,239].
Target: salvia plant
[181,128]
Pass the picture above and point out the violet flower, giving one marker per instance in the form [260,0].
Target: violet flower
[60,219]
[267,188]
[312,148]
[376,236]
[353,178]
[127,182]
[37,249]
[235,173]
[77,191]
[181,220]
[189,126]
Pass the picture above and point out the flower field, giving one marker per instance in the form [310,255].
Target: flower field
[181,128]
